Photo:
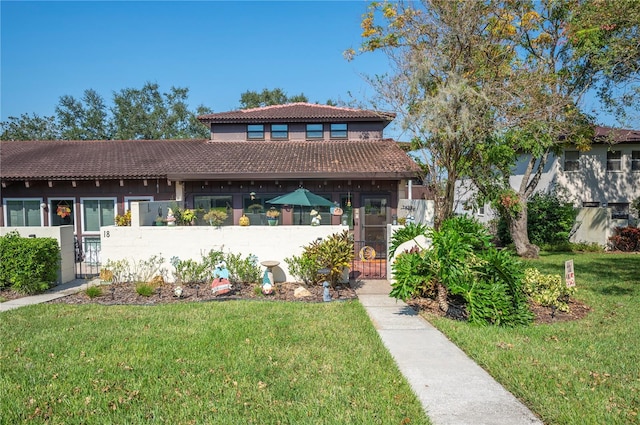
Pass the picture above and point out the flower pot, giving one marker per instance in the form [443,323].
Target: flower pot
[243,221]
[272,221]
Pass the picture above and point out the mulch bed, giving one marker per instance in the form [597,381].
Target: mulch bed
[543,315]
[125,293]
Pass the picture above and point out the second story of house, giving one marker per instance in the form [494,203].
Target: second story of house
[297,122]
[607,174]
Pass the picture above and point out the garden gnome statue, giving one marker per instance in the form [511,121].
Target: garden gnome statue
[171,220]
[267,286]
[326,296]
[220,284]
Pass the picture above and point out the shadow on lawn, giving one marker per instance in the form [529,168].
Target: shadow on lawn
[614,290]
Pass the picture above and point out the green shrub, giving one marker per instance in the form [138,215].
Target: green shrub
[547,289]
[145,289]
[121,271]
[28,265]
[303,268]
[405,234]
[190,271]
[586,247]
[335,252]
[463,262]
[242,270]
[412,277]
[471,230]
[549,220]
[93,291]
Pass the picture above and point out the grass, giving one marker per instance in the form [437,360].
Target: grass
[580,372]
[219,362]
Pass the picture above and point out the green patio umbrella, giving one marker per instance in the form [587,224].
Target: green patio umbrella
[301,197]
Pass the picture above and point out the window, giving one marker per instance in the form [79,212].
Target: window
[614,161]
[279,131]
[571,161]
[315,131]
[590,204]
[220,203]
[338,131]
[23,212]
[129,199]
[635,160]
[619,210]
[255,131]
[62,211]
[97,213]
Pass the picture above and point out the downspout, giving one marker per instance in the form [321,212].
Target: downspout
[410,189]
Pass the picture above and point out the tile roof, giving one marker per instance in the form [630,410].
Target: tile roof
[296,112]
[203,159]
[615,135]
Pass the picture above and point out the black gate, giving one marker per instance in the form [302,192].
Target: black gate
[87,257]
[369,261]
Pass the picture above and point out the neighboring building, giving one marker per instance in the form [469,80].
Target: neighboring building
[253,155]
[605,176]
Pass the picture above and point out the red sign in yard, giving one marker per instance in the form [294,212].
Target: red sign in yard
[569,276]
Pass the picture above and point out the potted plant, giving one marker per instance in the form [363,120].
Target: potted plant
[215,217]
[188,216]
[272,216]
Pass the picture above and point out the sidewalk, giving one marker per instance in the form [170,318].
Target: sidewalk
[57,291]
[453,389]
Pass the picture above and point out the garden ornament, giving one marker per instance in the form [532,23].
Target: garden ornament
[326,296]
[220,284]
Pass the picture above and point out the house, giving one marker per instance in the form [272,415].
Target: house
[602,182]
[251,157]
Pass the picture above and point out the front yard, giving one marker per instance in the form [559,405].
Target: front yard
[574,372]
[208,362]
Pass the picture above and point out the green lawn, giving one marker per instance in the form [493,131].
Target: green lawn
[581,372]
[222,363]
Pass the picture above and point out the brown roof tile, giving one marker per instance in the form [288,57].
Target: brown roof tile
[203,159]
[615,135]
[296,112]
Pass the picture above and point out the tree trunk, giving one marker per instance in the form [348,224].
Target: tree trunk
[520,235]
[442,297]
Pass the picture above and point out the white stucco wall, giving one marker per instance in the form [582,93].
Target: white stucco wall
[186,242]
[593,183]
[65,238]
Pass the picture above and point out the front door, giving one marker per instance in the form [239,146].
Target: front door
[374,221]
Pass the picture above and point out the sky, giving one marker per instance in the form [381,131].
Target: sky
[216,49]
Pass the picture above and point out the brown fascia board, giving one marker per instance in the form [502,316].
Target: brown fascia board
[208,122]
[389,175]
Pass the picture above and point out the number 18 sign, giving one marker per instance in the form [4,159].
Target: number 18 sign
[569,276]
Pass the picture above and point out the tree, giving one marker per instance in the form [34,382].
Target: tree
[253,99]
[83,120]
[479,84]
[30,127]
[606,33]
[136,114]
[148,114]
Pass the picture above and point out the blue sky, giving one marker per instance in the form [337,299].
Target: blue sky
[217,49]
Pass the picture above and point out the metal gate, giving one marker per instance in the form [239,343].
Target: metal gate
[369,260]
[87,257]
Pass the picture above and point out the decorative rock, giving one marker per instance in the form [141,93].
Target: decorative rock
[301,292]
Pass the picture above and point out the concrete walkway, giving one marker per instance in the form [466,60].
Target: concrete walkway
[453,389]
[57,291]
